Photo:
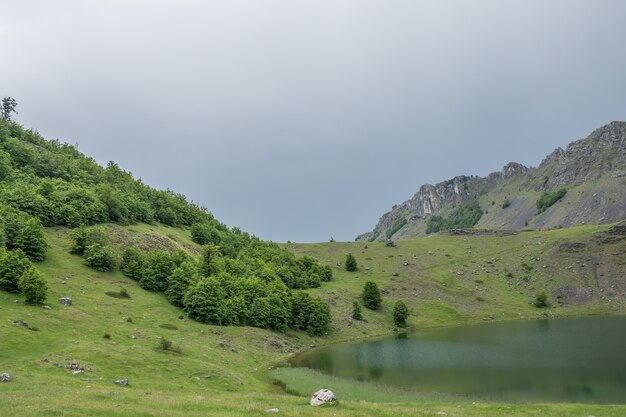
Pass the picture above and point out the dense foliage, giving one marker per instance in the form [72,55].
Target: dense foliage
[371,296]
[350,263]
[33,286]
[548,199]
[357,314]
[400,314]
[464,217]
[245,280]
[397,225]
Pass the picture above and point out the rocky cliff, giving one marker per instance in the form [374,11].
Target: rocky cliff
[592,170]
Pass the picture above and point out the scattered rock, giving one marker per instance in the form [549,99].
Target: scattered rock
[272,410]
[390,243]
[5,377]
[65,301]
[121,382]
[323,396]
[46,307]
[78,372]
[45,360]
[233,350]
[20,323]
[74,365]
[16,301]
[87,379]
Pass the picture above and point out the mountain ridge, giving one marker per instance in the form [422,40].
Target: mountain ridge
[600,157]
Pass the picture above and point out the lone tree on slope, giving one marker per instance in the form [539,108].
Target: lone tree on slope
[8,106]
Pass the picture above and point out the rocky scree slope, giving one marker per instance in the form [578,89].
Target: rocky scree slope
[592,170]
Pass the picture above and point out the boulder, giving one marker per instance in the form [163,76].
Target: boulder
[74,365]
[323,396]
[65,301]
[5,377]
[121,382]
[390,243]
[20,323]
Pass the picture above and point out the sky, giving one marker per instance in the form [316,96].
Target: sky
[305,120]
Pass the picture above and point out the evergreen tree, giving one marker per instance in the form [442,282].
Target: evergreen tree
[8,107]
[400,314]
[12,265]
[32,240]
[351,264]
[33,286]
[371,296]
[357,314]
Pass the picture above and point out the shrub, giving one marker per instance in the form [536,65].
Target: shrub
[357,314]
[548,199]
[400,314]
[204,301]
[33,286]
[351,264]
[106,336]
[397,225]
[465,216]
[309,313]
[541,300]
[165,344]
[12,265]
[371,296]
[326,273]
[32,240]
[505,204]
[99,257]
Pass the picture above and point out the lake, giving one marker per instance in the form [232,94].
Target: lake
[552,360]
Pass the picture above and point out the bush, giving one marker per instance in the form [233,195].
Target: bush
[309,313]
[548,199]
[505,204]
[351,264]
[541,300]
[106,336]
[357,314]
[204,301]
[165,344]
[400,314]
[371,296]
[12,265]
[99,257]
[32,240]
[464,217]
[326,273]
[33,286]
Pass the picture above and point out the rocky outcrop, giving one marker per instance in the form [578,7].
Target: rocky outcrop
[602,155]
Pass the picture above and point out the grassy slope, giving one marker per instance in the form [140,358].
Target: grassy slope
[210,378]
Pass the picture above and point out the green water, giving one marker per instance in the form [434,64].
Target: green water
[558,360]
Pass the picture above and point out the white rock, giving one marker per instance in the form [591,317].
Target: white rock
[122,382]
[5,378]
[273,410]
[323,396]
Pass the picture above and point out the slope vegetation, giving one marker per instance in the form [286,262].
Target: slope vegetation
[589,177]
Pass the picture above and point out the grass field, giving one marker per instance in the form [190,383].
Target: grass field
[226,371]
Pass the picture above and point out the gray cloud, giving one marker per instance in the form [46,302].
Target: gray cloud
[303,120]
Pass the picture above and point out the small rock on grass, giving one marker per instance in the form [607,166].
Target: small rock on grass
[5,377]
[323,396]
[121,382]
[273,410]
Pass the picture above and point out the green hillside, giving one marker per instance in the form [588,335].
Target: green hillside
[256,303]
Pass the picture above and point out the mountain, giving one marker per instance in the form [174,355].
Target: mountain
[591,171]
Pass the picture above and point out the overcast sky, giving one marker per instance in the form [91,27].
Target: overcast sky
[302,120]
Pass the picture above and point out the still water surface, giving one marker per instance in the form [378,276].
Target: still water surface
[557,360]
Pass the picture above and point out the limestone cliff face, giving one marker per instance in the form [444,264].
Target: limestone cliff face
[599,158]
